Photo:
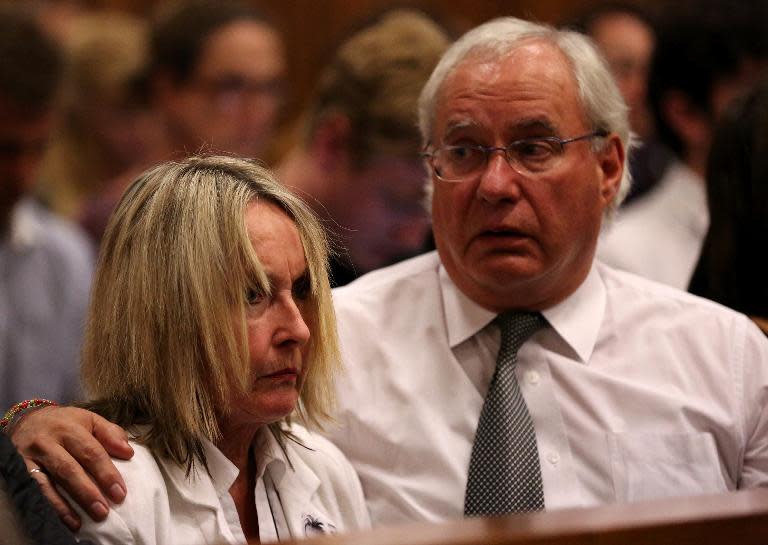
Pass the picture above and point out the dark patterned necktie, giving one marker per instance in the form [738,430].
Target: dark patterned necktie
[504,472]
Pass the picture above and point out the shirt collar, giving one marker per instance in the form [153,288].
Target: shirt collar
[25,226]
[268,453]
[463,317]
[197,488]
[222,471]
[576,320]
[293,477]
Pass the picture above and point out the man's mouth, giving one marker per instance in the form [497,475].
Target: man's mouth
[502,232]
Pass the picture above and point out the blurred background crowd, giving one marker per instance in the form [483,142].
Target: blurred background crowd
[324,92]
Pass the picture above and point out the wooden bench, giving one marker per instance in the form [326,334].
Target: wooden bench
[735,518]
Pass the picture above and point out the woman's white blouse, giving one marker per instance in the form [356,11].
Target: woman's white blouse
[313,490]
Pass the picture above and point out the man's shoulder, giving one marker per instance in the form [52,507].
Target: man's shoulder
[318,452]
[411,274]
[652,302]
[388,306]
[339,489]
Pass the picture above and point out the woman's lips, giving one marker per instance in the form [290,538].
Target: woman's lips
[287,373]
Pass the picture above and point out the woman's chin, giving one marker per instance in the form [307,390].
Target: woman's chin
[276,404]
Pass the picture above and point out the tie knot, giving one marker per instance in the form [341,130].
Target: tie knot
[517,327]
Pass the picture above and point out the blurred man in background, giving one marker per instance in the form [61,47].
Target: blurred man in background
[358,161]
[626,36]
[45,263]
[707,53]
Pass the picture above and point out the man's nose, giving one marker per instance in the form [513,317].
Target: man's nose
[499,181]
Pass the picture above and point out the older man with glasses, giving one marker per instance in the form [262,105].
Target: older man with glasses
[622,389]
[509,371]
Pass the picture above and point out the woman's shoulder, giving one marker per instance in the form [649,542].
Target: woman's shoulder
[136,519]
[143,467]
[144,479]
[159,480]
[340,488]
[316,450]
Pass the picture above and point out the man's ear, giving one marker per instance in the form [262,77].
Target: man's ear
[611,164]
[331,141]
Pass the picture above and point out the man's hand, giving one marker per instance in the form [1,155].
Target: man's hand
[73,447]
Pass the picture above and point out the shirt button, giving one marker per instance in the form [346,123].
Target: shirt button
[553,458]
[532,377]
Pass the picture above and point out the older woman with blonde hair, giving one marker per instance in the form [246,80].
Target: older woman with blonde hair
[212,330]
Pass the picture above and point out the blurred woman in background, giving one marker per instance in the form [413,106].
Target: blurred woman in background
[105,128]
[733,266]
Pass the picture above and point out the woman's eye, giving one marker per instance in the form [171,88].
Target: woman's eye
[253,296]
[301,288]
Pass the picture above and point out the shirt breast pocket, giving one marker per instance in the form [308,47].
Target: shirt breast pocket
[648,465]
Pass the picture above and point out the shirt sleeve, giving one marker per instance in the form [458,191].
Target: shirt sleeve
[754,472]
[112,531]
[360,519]
[143,517]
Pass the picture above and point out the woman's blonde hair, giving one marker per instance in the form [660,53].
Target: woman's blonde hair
[175,265]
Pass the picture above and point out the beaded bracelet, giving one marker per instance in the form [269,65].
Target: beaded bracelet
[20,408]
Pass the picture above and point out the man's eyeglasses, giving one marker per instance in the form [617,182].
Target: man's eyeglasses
[528,156]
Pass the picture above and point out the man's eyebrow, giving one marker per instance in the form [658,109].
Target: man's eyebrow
[459,125]
[536,124]
[533,124]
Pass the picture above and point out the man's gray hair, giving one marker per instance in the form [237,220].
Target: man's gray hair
[603,104]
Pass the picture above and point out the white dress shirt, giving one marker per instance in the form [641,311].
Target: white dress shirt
[636,391]
[312,491]
[661,234]
[46,265]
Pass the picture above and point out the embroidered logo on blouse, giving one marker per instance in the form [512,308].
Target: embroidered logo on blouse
[313,526]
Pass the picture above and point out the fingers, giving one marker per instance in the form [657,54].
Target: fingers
[62,467]
[113,438]
[61,440]
[60,505]
[89,454]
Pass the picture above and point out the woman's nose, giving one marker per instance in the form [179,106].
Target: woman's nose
[293,327]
